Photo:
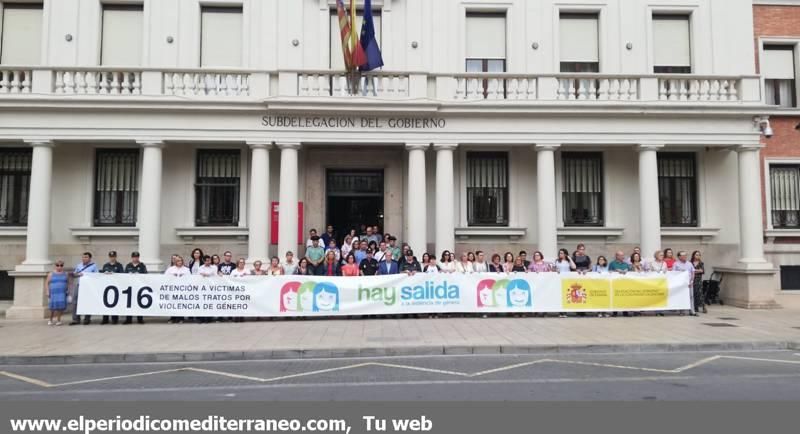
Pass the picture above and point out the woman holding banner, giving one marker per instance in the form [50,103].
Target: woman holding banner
[177,270]
[564,264]
[658,265]
[538,265]
[350,268]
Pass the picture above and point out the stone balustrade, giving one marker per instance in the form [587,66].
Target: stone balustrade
[242,84]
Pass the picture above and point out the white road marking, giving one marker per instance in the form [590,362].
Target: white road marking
[508,368]
[399,366]
[241,388]
[26,379]
[120,377]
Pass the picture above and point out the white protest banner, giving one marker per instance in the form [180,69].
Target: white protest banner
[291,296]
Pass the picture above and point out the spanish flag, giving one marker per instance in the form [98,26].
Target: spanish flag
[351,46]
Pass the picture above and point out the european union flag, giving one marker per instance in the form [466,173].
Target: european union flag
[368,41]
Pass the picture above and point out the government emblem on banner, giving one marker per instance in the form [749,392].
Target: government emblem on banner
[576,294]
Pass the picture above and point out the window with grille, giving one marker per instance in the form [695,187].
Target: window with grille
[217,188]
[116,192]
[778,67]
[583,188]
[677,189]
[784,181]
[487,189]
[15,181]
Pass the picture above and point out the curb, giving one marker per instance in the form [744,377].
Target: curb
[437,350]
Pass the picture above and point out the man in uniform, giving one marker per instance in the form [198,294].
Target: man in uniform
[410,265]
[369,266]
[111,267]
[135,267]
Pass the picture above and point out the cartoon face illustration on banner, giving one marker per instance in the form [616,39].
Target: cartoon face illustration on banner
[326,297]
[501,293]
[305,297]
[519,293]
[289,297]
[486,293]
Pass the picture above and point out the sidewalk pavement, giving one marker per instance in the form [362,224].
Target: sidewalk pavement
[724,328]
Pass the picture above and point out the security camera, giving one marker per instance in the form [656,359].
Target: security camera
[765,127]
[797,127]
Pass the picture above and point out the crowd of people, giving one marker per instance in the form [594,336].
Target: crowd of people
[371,253]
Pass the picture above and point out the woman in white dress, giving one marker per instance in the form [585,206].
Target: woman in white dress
[177,270]
[463,265]
[446,265]
[240,270]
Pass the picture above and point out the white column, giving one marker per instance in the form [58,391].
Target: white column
[37,252]
[287,212]
[751,225]
[649,208]
[259,203]
[547,222]
[150,205]
[445,198]
[417,224]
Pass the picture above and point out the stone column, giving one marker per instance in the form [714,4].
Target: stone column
[37,251]
[150,205]
[29,277]
[445,198]
[547,224]
[417,224]
[751,223]
[259,203]
[649,207]
[753,282]
[287,212]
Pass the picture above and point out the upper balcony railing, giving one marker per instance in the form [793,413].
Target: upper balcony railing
[243,84]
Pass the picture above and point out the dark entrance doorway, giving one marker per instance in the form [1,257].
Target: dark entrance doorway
[354,198]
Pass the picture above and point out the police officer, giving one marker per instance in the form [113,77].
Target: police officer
[110,267]
[135,267]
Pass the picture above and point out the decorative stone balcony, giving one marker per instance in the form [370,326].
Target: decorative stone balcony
[251,85]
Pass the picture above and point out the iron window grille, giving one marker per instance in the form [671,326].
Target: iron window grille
[785,196]
[217,188]
[487,189]
[677,189]
[15,181]
[116,192]
[582,198]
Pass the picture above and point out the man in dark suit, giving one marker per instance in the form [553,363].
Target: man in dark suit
[388,266]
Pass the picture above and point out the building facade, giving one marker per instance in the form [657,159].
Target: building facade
[777,36]
[495,125]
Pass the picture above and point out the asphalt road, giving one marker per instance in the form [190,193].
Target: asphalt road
[773,375]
